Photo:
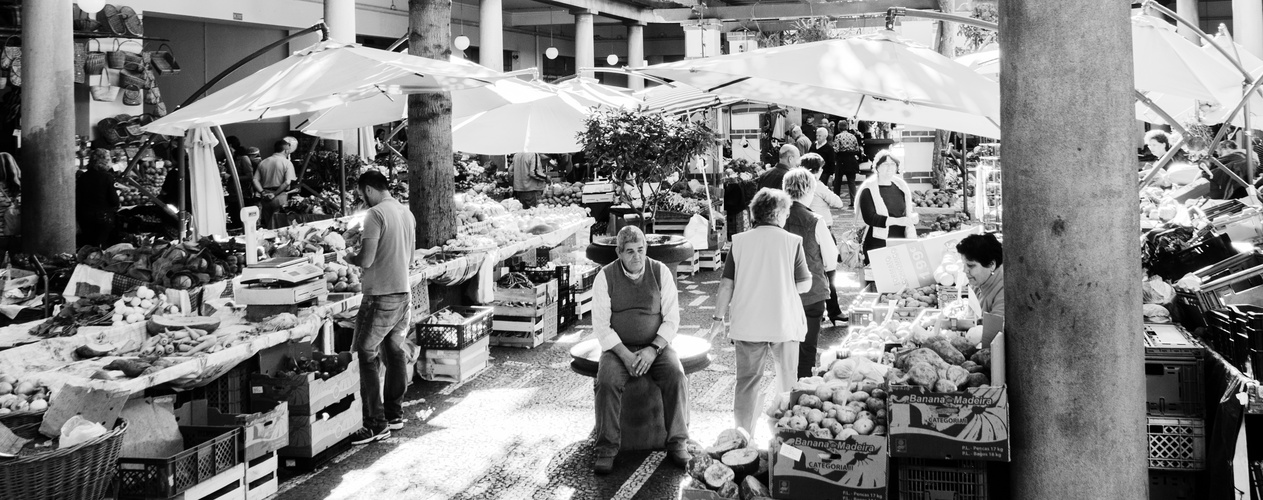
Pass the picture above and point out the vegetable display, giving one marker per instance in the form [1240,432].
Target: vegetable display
[23,395]
[325,366]
[732,460]
[94,309]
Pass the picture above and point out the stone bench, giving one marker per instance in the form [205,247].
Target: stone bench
[643,424]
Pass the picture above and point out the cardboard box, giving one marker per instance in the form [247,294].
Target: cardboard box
[805,467]
[309,435]
[306,394]
[262,432]
[911,263]
[967,425]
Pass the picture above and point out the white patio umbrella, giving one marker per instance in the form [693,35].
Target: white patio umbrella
[547,125]
[593,93]
[681,99]
[318,77]
[874,77]
[385,108]
[1170,65]
[1188,110]
[985,62]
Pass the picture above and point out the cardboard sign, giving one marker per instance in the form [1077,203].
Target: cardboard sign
[967,425]
[807,467]
[911,263]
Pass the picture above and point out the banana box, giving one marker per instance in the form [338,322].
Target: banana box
[972,424]
[806,467]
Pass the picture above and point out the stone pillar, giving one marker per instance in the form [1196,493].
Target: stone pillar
[1073,320]
[1247,25]
[702,38]
[340,18]
[47,156]
[635,53]
[1187,9]
[491,34]
[584,50]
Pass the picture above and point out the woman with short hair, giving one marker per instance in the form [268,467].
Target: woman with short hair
[764,274]
[984,265]
[820,250]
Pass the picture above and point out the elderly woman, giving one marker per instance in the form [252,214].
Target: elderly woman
[984,266]
[765,272]
[821,204]
[885,205]
[820,251]
[635,314]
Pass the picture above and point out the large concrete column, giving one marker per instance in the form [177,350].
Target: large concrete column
[1187,9]
[1247,25]
[702,38]
[491,34]
[1074,327]
[584,50]
[48,128]
[340,18]
[635,53]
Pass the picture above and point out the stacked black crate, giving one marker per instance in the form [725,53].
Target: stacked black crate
[1176,407]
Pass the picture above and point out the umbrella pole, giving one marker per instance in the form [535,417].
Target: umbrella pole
[232,169]
[1248,139]
[342,179]
[964,173]
[181,165]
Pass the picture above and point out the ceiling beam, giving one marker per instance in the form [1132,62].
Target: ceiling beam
[786,10]
[607,8]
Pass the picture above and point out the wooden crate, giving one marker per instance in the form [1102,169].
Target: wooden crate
[304,394]
[525,331]
[583,302]
[452,365]
[227,485]
[690,266]
[541,294]
[311,434]
[261,478]
[711,259]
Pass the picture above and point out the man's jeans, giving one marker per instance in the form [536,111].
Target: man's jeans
[611,378]
[381,325]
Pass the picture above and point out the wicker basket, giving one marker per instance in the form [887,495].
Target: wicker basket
[85,471]
[20,418]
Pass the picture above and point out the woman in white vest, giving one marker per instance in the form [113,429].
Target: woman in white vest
[885,204]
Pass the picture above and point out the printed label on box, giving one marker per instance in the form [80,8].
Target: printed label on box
[850,469]
[966,425]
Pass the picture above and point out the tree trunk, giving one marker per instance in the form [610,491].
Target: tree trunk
[1073,310]
[946,45]
[48,105]
[431,183]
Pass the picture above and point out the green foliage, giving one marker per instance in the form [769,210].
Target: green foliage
[642,148]
[975,37]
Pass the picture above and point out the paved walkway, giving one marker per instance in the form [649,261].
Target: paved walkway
[521,429]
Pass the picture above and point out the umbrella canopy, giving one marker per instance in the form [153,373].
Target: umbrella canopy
[1188,110]
[318,77]
[547,125]
[681,99]
[1170,65]
[873,77]
[985,62]
[385,108]
[592,93]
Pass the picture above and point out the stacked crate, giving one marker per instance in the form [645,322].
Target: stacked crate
[525,317]
[583,292]
[1175,404]
[455,352]
[323,413]
[567,312]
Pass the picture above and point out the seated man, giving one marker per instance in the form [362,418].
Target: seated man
[635,315]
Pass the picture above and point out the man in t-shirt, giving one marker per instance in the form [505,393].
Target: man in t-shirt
[386,246]
[529,179]
[272,181]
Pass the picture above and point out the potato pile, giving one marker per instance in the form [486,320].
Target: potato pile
[948,222]
[937,198]
[343,278]
[563,194]
[18,396]
[926,296]
[848,400]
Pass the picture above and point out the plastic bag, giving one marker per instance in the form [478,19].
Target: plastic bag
[697,232]
[79,430]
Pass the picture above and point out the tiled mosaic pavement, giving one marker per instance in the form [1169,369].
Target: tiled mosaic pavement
[521,428]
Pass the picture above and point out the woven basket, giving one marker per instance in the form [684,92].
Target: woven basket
[104,92]
[110,19]
[20,418]
[164,61]
[85,471]
[128,78]
[94,62]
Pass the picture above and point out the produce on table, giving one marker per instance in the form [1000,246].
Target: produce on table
[93,350]
[94,309]
[515,280]
[325,366]
[937,198]
[563,194]
[132,368]
[848,400]
[159,323]
[926,296]
[23,395]
[948,222]
[150,176]
[343,278]
[185,342]
[168,265]
[136,306]
[959,309]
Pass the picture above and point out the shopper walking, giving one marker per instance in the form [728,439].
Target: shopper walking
[848,151]
[529,180]
[384,319]
[272,181]
[762,277]
[821,205]
[885,205]
[96,201]
[818,248]
[824,148]
[635,315]
[772,177]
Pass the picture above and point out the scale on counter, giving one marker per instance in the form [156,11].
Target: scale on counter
[281,270]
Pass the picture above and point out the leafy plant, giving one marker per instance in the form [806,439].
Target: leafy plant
[975,37]
[641,150]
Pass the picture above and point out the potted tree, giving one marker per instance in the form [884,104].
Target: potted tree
[641,151]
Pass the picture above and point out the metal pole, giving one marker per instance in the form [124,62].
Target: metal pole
[341,179]
[232,168]
[180,166]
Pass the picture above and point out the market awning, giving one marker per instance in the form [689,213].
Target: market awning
[681,99]
[318,77]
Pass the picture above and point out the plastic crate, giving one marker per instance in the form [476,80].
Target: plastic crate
[942,479]
[1177,443]
[1227,282]
[1208,252]
[542,275]
[1175,387]
[477,325]
[227,392]
[208,452]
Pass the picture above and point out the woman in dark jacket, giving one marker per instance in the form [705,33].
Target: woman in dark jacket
[848,151]
[96,201]
[824,148]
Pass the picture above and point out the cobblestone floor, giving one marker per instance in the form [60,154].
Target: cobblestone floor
[521,428]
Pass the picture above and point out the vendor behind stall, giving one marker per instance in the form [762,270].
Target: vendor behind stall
[96,200]
[984,266]
[885,201]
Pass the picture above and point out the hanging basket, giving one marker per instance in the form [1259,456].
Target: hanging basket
[164,61]
[94,61]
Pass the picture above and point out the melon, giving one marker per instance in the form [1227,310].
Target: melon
[742,461]
[718,474]
[159,324]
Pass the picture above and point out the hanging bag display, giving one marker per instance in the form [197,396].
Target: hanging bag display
[131,21]
[111,21]
[153,95]
[83,21]
[13,213]
[11,61]
[160,109]
[164,61]
[94,62]
[128,78]
[132,96]
[104,91]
